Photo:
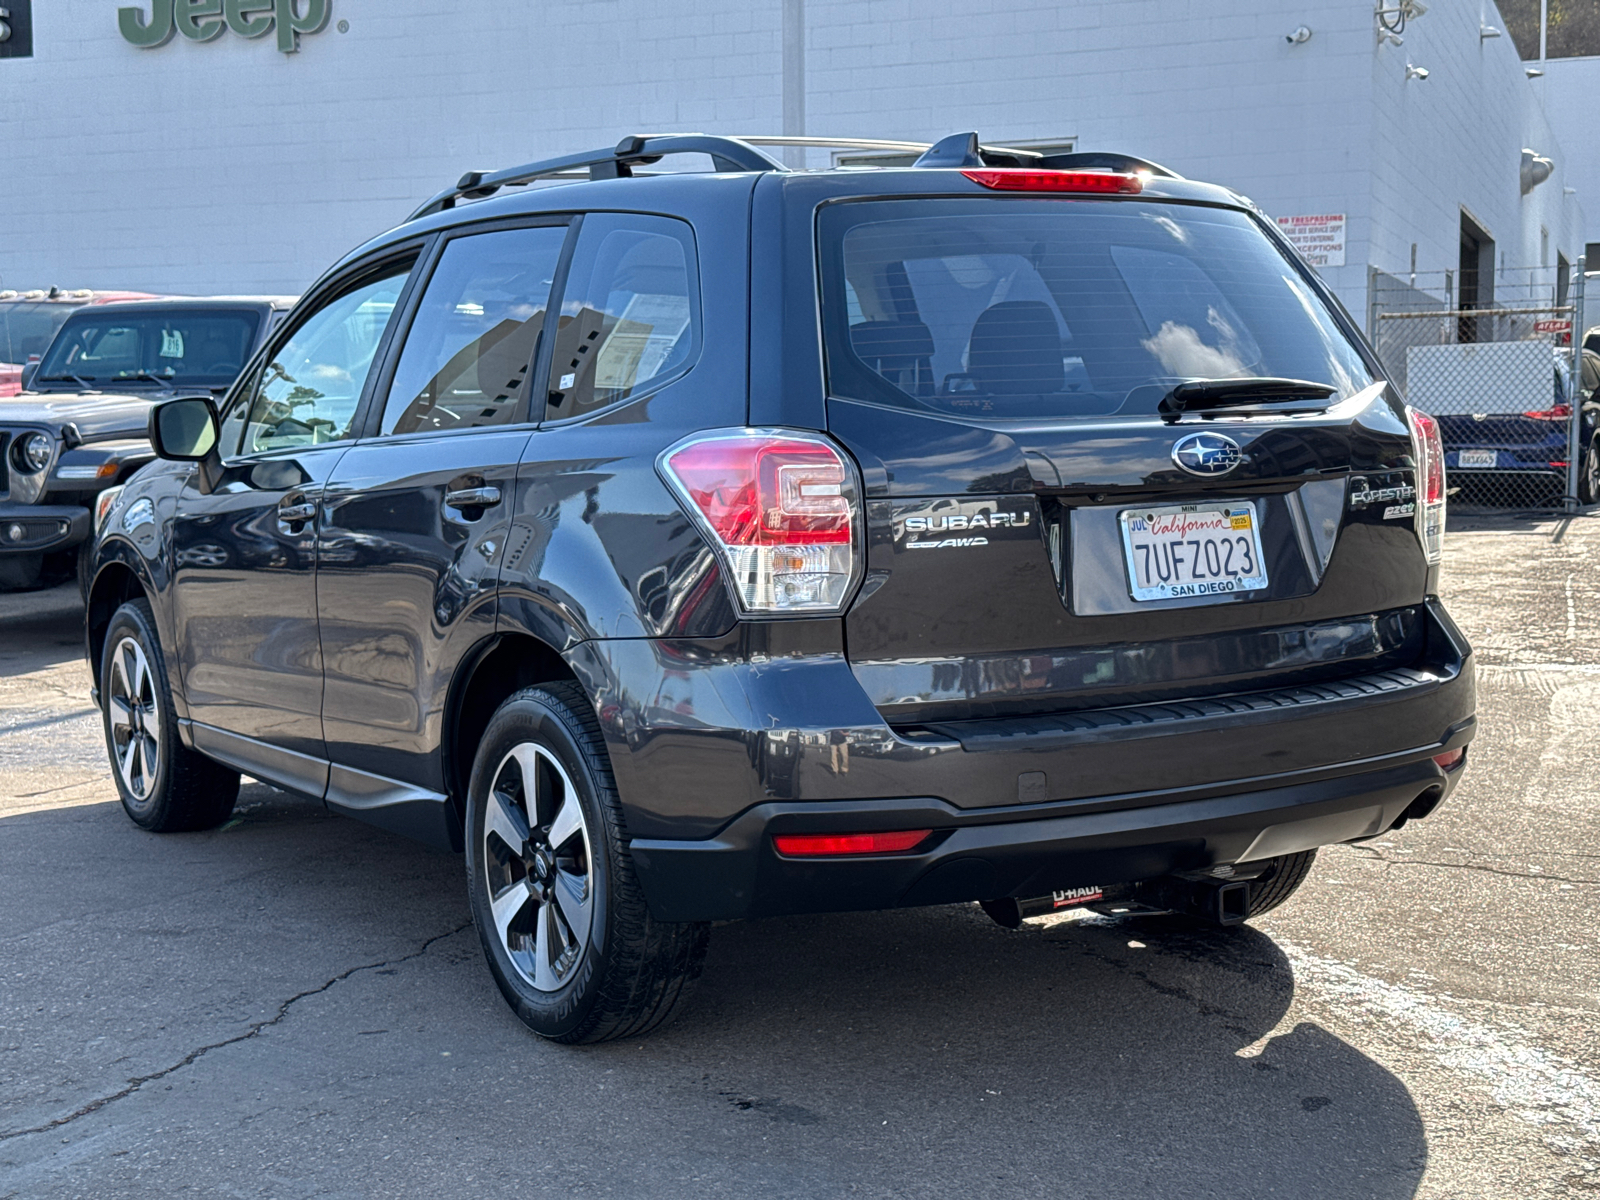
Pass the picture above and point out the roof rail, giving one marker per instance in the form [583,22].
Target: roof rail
[727,154]
[742,154]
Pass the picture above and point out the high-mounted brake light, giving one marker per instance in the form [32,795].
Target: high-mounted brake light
[821,845]
[782,510]
[1428,452]
[1021,179]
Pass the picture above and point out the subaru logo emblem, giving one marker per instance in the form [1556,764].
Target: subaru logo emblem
[1207,454]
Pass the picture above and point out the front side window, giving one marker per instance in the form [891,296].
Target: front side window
[308,391]
[1022,309]
[472,343]
[199,348]
[630,317]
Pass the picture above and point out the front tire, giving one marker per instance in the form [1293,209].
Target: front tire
[563,923]
[165,787]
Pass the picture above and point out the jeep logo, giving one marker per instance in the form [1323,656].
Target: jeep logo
[204,20]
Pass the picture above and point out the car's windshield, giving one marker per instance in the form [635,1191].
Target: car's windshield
[167,347]
[1063,308]
[27,327]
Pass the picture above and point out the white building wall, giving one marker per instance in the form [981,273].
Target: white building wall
[1455,140]
[228,166]
[1571,99]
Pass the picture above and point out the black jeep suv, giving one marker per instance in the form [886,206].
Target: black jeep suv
[78,430]
[694,546]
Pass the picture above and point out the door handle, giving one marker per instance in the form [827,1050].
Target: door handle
[297,513]
[477,497]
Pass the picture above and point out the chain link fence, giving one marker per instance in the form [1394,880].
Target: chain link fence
[1498,362]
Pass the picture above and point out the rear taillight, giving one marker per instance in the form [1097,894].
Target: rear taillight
[1015,179]
[782,510]
[1561,412]
[1428,451]
[832,845]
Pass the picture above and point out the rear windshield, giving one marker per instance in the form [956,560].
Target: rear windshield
[206,348]
[1017,309]
[26,328]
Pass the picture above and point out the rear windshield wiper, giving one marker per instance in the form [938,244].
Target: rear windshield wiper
[1257,391]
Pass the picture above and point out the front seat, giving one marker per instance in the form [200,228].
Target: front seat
[1015,350]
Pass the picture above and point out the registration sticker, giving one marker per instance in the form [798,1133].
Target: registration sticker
[1073,896]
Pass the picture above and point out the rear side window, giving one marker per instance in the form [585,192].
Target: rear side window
[630,317]
[1050,309]
[473,341]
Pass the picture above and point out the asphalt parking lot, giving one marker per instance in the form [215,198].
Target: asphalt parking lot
[294,1005]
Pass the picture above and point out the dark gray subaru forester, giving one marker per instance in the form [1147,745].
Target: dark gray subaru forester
[1034,531]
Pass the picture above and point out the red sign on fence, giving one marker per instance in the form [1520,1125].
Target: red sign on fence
[1552,326]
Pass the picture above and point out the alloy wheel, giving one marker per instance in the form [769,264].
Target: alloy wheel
[135,719]
[538,866]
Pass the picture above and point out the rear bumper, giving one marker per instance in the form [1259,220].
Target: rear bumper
[738,748]
[45,527]
[985,856]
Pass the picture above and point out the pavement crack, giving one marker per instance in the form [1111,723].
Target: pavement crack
[254,1030]
[1387,860]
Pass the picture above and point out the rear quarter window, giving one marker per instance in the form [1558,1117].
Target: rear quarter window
[630,317]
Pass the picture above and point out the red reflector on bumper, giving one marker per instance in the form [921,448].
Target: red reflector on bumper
[816,845]
[1450,759]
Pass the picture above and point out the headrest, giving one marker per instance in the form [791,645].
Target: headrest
[877,340]
[1016,349]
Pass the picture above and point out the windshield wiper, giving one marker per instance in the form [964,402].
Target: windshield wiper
[141,373]
[85,384]
[1255,391]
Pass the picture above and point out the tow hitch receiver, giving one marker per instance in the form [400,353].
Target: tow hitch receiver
[1224,901]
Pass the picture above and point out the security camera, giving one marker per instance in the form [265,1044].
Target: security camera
[1391,37]
[1299,37]
[1416,72]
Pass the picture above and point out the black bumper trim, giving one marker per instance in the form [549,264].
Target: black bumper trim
[740,874]
[1110,724]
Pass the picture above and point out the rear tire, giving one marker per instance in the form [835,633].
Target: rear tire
[1283,877]
[550,879]
[1589,473]
[165,787]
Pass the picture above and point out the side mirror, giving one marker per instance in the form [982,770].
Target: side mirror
[28,372]
[184,430]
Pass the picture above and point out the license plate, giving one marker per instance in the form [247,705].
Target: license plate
[1191,550]
[1478,458]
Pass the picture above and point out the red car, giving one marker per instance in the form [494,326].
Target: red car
[28,320]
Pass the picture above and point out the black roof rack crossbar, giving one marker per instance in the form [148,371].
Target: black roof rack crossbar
[727,154]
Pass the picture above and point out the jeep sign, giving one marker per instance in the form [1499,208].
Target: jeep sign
[203,20]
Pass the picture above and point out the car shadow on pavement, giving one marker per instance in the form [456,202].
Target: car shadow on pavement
[923,1052]
[1118,1056]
